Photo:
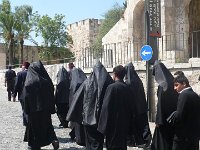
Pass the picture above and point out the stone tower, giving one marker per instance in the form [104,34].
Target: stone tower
[83,34]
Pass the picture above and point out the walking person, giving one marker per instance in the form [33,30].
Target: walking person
[140,135]
[39,104]
[167,103]
[186,117]
[62,96]
[18,88]
[10,82]
[77,129]
[87,103]
[115,112]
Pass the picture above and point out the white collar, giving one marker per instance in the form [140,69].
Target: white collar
[185,89]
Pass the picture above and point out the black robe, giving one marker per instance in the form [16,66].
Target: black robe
[39,104]
[77,78]
[88,99]
[87,103]
[167,103]
[141,132]
[62,95]
[115,115]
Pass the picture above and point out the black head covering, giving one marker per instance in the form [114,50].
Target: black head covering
[62,87]
[39,90]
[162,75]
[167,96]
[77,78]
[95,88]
[62,75]
[137,89]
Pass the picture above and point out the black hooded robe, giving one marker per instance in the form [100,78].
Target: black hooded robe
[77,132]
[39,105]
[167,103]
[139,127]
[87,104]
[62,95]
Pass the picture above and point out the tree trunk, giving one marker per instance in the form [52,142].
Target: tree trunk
[21,49]
[10,48]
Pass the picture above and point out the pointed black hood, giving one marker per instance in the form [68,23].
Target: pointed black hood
[77,78]
[162,75]
[62,76]
[95,87]
[39,90]
[136,86]
[62,86]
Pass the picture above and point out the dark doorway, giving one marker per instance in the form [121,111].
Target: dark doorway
[194,28]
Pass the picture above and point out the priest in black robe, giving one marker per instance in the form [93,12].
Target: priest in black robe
[167,103]
[116,111]
[86,106]
[140,133]
[39,104]
[62,96]
[77,132]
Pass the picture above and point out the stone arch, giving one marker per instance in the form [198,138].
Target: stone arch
[139,22]
[192,11]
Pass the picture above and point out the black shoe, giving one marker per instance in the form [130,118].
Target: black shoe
[33,148]
[55,144]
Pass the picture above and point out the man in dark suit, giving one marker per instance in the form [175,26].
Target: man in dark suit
[19,85]
[10,81]
[116,111]
[186,117]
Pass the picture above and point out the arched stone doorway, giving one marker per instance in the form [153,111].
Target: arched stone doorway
[194,28]
[138,33]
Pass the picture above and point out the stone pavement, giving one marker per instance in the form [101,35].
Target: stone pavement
[12,130]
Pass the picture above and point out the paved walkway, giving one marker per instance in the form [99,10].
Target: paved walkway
[12,130]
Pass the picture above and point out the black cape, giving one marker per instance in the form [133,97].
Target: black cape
[38,90]
[139,123]
[115,115]
[167,103]
[62,86]
[137,89]
[62,95]
[39,105]
[77,78]
[89,97]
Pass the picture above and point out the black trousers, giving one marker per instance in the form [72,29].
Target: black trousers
[182,143]
[10,88]
[94,139]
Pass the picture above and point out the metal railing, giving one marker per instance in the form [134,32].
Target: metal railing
[176,48]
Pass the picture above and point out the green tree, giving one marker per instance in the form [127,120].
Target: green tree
[23,26]
[111,17]
[55,37]
[7,23]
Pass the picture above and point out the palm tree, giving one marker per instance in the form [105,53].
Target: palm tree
[24,25]
[7,23]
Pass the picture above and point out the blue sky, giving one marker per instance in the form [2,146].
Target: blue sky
[74,10]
